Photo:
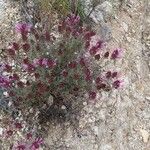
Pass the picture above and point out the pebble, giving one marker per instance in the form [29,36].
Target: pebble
[63,107]
[147,98]
[145,135]
[125,26]
[1,131]
[106,7]
[96,146]
[95,129]
[97,17]
[91,119]
[84,103]
[50,100]
[128,39]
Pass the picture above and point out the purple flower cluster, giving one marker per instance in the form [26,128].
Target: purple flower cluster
[5,82]
[72,20]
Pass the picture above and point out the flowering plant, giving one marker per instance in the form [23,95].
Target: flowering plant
[56,60]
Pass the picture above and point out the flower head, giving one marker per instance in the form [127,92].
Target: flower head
[18,125]
[92,95]
[117,84]
[28,67]
[21,147]
[29,135]
[26,47]
[114,74]
[108,74]
[72,64]
[64,73]
[23,28]
[116,54]
[72,20]
[15,46]
[7,68]
[36,144]
[9,133]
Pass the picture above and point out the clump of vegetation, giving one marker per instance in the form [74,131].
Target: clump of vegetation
[63,7]
[55,61]
[48,68]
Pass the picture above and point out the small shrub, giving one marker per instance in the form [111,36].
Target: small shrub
[59,61]
[42,63]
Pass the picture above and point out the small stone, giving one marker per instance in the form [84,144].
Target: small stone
[9,103]
[145,135]
[125,26]
[106,7]
[91,119]
[84,103]
[96,146]
[1,131]
[50,100]
[63,107]
[31,110]
[138,57]
[128,39]
[97,16]
[95,129]
[148,98]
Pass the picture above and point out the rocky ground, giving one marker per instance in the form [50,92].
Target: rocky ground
[122,121]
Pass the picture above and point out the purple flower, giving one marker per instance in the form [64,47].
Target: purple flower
[51,63]
[92,95]
[29,67]
[87,73]
[97,57]
[98,80]
[4,82]
[89,34]
[47,36]
[18,125]
[36,144]
[116,54]
[108,74]
[117,84]
[83,61]
[21,147]
[114,74]
[99,44]
[93,50]
[64,73]
[38,62]
[29,135]
[72,64]
[45,62]
[9,133]
[7,68]
[106,55]
[15,46]
[101,86]
[23,28]
[11,52]
[26,47]
[72,20]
